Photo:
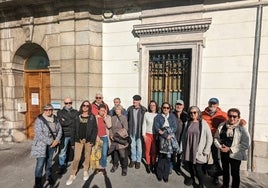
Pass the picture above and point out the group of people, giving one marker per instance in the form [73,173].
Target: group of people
[165,138]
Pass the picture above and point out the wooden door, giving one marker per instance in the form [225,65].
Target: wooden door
[37,93]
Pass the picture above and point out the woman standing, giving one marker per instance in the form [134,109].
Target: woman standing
[48,133]
[117,149]
[103,123]
[165,126]
[233,140]
[196,142]
[83,136]
[149,136]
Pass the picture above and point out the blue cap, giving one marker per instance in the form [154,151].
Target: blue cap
[214,100]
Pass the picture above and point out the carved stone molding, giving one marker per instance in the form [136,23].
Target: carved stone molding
[54,68]
[185,26]
[27,25]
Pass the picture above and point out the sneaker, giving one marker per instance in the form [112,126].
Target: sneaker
[86,175]
[137,165]
[102,171]
[70,180]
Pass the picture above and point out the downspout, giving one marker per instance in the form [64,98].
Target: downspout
[252,105]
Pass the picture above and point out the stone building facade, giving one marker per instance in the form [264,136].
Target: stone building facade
[53,49]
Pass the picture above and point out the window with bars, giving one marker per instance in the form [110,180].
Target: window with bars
[169,75]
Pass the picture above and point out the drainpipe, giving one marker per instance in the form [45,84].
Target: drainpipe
[252,105]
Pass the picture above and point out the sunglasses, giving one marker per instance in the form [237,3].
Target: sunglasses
[98,97]
[68,103]
[232,116]
[48,110]
[193,112]
[165,107]
[85,105]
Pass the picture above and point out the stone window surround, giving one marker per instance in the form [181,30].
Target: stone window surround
[186,34]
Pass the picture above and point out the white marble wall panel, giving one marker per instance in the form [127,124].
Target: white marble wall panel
[119,54]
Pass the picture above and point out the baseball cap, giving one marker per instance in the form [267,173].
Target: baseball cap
[214,100]
[179,101]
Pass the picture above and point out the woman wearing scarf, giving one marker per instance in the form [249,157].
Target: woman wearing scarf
[233,140]
[165,125]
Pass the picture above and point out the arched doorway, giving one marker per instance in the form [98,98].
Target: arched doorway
[36,87]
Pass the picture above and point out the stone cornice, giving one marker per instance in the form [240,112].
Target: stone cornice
[186,26]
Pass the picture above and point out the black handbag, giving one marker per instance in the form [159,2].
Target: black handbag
[214,170]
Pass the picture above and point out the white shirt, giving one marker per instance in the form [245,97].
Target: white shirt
[147,126]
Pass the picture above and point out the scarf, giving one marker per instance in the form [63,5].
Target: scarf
[166,123]
[230,129]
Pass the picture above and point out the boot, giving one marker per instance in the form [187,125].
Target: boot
[147,168]
[50,180]
[38,183]
[152,168]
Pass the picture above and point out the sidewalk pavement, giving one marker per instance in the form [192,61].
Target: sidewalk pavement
[17,170]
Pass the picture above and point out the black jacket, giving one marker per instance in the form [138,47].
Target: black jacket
[67,119]
[91,130]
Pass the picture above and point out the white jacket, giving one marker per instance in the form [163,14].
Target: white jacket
[241,142]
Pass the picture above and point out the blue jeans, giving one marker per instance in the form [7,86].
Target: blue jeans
[136,149]
[44,161]
[103,160]
[63,152]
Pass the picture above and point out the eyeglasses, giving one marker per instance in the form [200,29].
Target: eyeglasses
[85,105]
[165,107]
[48,110]
[193,112]
[232,116]
[98,97]
[68,103]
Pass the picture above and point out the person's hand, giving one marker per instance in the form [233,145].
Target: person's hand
[225,149]
[169,137]
[144,138]
[242,122]
[160,132]
[54,143]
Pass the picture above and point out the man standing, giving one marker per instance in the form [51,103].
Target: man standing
[117,102]
[214,116]
[96,103]
[135,118]
[66,116]
[182,117]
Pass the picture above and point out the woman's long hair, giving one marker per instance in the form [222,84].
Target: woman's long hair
[81,107]
[157,107]
[199,113]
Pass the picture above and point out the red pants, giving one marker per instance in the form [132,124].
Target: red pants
[150,148]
